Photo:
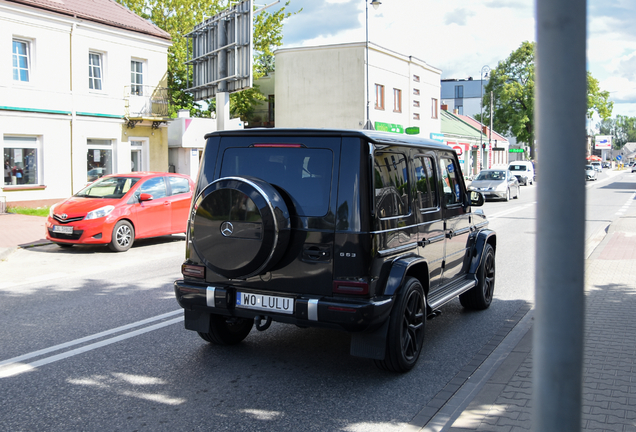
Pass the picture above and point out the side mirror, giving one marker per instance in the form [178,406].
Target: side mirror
[145,197]
[476,199]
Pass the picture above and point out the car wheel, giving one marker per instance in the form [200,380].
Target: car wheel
[405,336]
[480,296]
[227,330]
[123,236]
[241,226]
[507,194]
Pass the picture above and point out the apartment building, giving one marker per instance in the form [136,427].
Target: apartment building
[82,94]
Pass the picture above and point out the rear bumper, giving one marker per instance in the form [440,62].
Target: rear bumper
[351,315]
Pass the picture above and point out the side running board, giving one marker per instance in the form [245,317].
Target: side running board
[447,293]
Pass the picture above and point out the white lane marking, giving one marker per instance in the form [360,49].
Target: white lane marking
[509,211]
[627,204]
[14,369]
[89,338]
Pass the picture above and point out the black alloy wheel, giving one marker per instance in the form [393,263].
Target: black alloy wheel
[405,337]
[480,296]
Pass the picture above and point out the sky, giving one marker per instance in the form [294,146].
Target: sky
[460,37]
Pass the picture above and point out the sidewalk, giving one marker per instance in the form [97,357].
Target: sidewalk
[497,397]
[18,230]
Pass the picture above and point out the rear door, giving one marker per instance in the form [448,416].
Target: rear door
[180,198]
[304,169]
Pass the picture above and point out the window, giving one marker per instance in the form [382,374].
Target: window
[425,183]
[416,78]
[397,100]
[391,184]
[450,181]
[155,186]
[460,109]
[136,78]
[416,92]
[136,151]
[459,92]
[21,60]
[179,185]
[434,108]
[21,165]
[99,160]
[94,71]
[416,116]
[416,103]
[270,108]
[379,97]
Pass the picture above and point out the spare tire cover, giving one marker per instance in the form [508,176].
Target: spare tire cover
[241,226]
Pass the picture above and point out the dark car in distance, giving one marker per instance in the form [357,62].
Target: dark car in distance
[363,231]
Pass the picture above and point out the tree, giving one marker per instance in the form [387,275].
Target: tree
[178,17]
[512,84]
[623,129]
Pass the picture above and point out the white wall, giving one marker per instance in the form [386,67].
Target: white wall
[325,87]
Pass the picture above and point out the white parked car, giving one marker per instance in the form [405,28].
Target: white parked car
[597,165]
[590,173]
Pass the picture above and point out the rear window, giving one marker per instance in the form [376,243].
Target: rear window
[305,174]
[518,168]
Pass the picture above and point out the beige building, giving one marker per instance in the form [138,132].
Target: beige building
[82,94]
[326,87]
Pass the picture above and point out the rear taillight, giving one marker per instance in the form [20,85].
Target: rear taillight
[194,271]
[280,145]
[348,287]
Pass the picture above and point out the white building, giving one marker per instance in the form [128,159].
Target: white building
[82,94]
[326,87]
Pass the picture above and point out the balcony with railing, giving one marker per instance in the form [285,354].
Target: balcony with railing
[146,103]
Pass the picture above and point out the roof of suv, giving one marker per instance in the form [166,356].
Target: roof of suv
[370,135]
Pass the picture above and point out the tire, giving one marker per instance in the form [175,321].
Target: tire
[241,227]
[65,245]
[123,236]
[405,335]
[507,194]
[480,296]
[227,330]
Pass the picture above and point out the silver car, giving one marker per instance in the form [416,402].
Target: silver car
[496,183]
[591,173]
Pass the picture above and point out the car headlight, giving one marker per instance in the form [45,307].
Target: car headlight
[100,212]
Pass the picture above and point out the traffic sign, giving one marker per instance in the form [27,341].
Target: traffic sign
[619,157]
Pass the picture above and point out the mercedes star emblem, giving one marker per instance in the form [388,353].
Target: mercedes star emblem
[227,229]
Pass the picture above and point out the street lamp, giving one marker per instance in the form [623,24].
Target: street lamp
[484,73]
[375,3]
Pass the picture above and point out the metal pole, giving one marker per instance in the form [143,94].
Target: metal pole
[367,123]
[560,256]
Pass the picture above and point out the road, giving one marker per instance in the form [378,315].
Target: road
[93,340]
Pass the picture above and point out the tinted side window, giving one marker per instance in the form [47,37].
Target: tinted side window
[179,185]
[155,187]
[425,181]
[450,181]
[391,184]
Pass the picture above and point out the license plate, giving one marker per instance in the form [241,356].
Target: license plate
[265,302]
[63,229]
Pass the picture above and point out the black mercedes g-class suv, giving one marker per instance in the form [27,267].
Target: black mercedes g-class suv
[363,231]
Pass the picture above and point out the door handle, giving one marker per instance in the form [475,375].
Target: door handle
[449,235]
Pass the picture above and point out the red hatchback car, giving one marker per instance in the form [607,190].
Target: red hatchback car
[117,209]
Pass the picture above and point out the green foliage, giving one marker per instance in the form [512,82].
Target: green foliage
[512,84]
[39,211]
[623,129]
[178,17]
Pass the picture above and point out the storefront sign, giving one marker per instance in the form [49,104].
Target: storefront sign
[389,127]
